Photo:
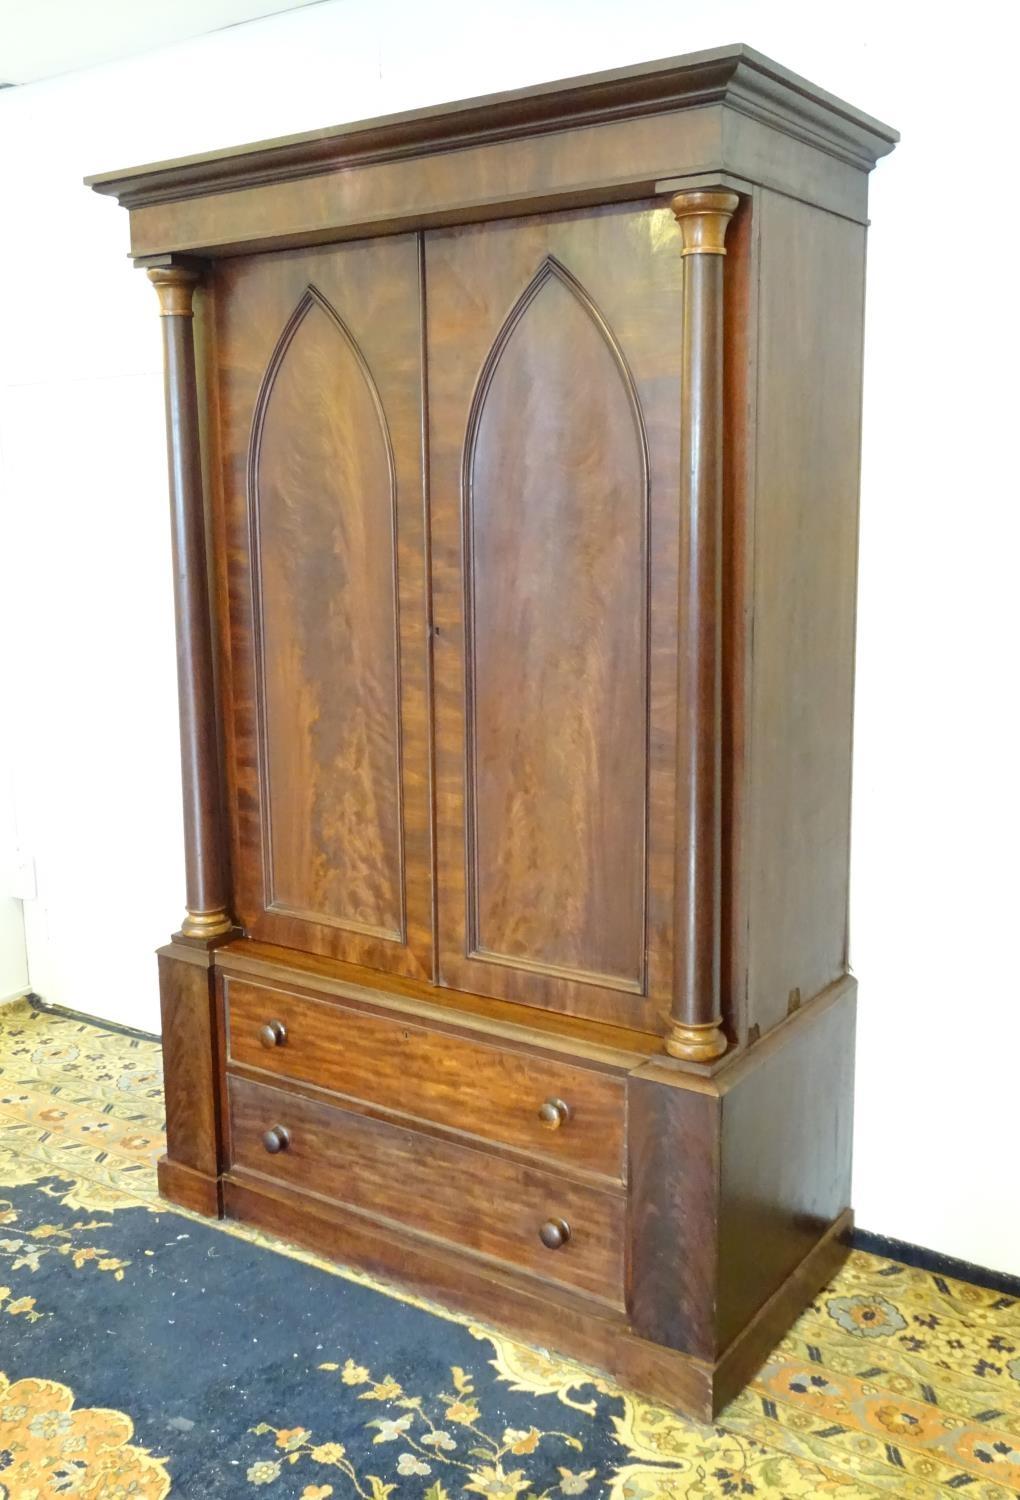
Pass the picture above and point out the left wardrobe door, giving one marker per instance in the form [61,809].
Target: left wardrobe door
[317,437]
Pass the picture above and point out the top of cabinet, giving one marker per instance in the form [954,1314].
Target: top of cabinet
[606,136]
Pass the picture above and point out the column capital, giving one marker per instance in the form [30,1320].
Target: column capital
[175,286]
[704,216]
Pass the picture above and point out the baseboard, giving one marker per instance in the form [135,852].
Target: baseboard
[936,1262]
[45,1006]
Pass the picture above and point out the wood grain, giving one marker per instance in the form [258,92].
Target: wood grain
[191,1070]
[556,501]
[757,1339]
[673,1135]
[405,1177]
[805,572]
[205,865]
[696,1032]
[552,401]
[726,1209]
[611,1047]
[319,433]
[696,79]
[189,1189]
[783,1185]
[549,1316]
[487,1091]
[323,500]
[606,137]
[740,384]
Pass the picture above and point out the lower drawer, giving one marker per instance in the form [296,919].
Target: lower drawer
[527,1218]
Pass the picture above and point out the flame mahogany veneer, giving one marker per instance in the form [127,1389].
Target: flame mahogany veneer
[514,468]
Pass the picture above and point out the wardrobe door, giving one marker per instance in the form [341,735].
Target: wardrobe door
[554,347]
[318,377]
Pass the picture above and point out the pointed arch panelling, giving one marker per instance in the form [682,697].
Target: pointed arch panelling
[555,522]
[322,519]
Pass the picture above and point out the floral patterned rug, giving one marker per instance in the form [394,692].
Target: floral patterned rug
[145,1352]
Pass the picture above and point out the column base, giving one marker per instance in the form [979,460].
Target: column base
[207,924]
[700,1044]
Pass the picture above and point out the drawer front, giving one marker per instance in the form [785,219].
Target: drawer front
[462,1195]
[488,1091]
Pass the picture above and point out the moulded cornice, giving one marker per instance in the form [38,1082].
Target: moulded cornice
[738,77]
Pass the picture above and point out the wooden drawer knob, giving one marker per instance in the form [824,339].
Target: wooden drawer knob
[273,1034]
[277,1139]
[554,1113]
[554,1234]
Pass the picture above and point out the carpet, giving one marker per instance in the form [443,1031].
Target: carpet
[145,1352]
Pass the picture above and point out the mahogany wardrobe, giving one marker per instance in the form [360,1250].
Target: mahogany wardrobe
[514,478]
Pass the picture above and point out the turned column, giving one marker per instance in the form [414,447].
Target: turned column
[205,870]
[696,1033]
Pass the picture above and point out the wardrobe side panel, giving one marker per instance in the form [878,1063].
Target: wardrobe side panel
[785,1151]
[807,468]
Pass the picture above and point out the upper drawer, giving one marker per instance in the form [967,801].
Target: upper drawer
[486,1090]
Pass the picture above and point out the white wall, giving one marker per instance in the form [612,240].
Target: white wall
[13,949]
[934,888]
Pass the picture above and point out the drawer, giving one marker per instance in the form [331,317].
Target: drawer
[486,1090]
[462,1195]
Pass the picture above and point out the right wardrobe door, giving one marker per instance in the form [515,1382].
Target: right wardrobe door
[554,359]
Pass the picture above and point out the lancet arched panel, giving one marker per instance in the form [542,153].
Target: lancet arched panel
[556,542]
[322,512]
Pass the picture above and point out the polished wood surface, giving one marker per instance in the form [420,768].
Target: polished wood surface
[757,1339]
[783,1186]
[551,1316]
[201,778]
[319,436]
[740,383]
[696,1032]
[725,1208]
[619,161]
[191,1190]
[498,1209]
[555,540]
[554,495]
[673,1135]
[807,422]
[607,137]
[192,1067]
[490,1091]
[528,430]
[452,1011]
[322,491]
